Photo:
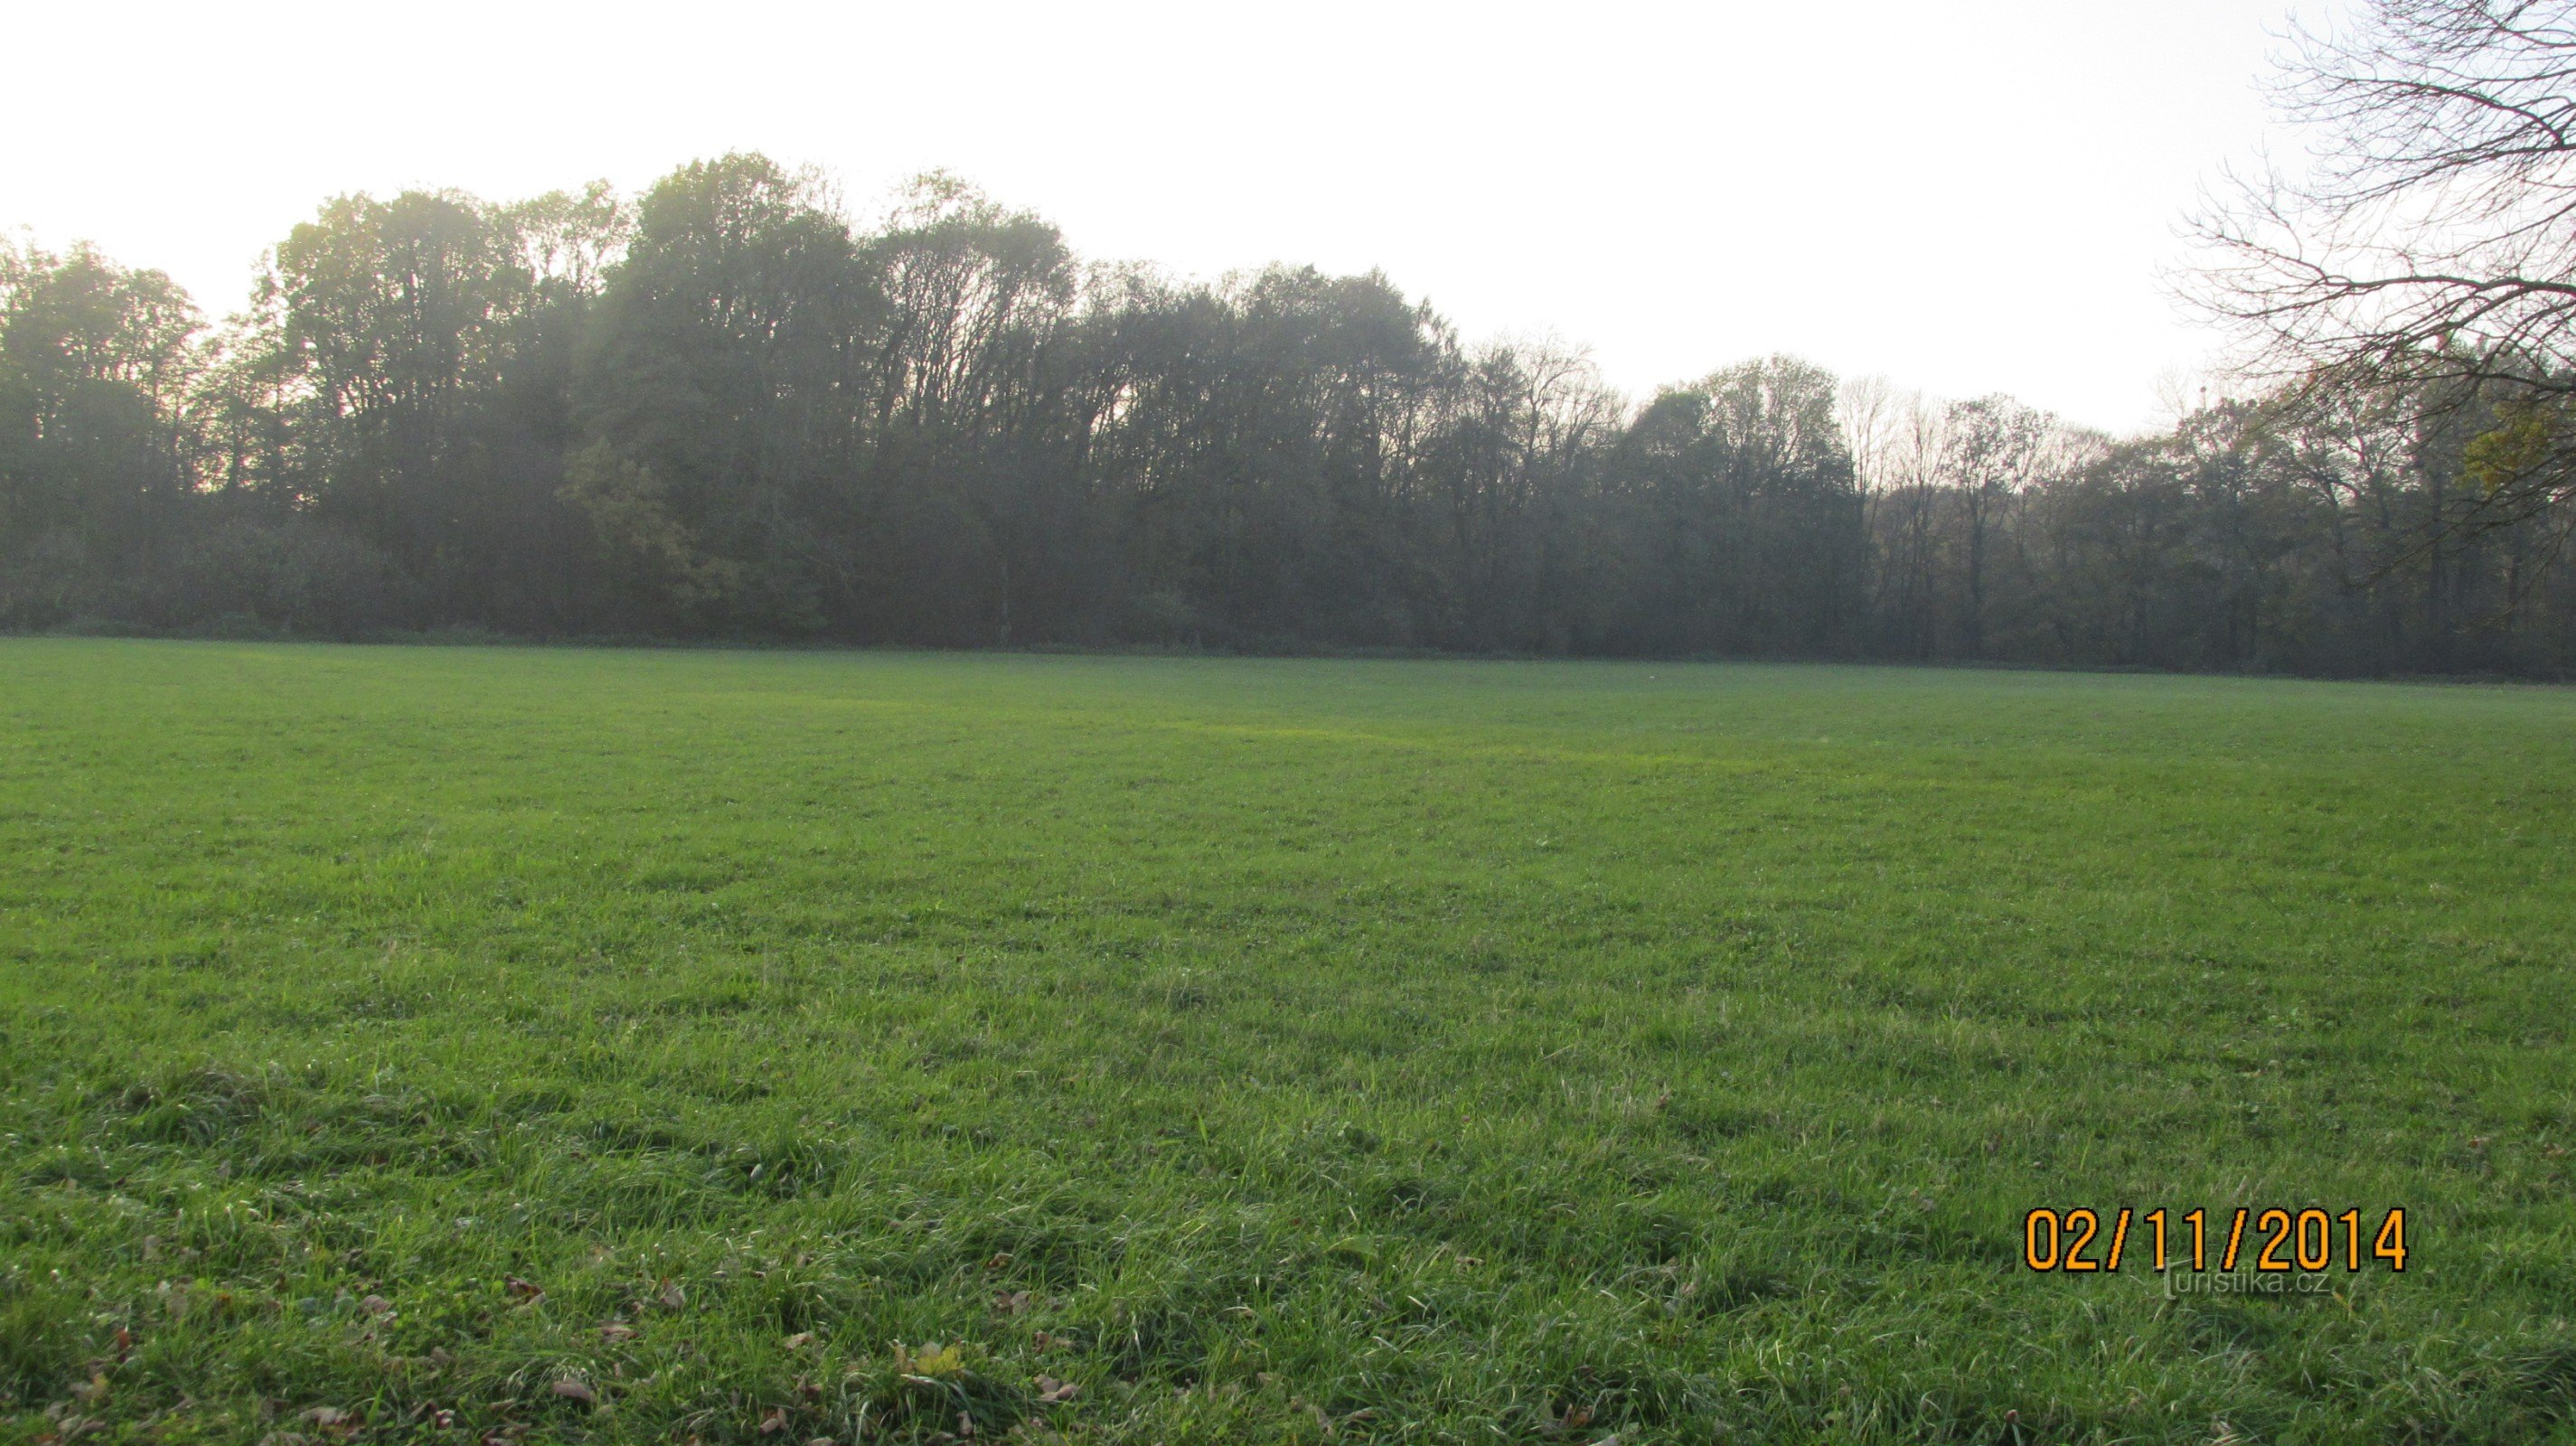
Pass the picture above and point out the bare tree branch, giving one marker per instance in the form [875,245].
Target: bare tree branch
[2428,247]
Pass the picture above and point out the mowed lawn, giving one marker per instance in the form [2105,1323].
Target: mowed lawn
[543,1045]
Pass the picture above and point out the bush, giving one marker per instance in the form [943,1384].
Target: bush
[290,574]
[47,583]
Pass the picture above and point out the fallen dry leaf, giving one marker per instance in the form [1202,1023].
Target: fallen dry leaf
[932,1360]
[672,1296]
[800,1340]
[574,1390]
[616,1330]
[1051,1391]
[333,1422]
[1015,1302]
[774,1422]
[524,1289]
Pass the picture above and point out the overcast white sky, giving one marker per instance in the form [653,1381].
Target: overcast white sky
[1961,195]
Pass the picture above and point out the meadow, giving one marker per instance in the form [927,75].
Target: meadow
[536,1045]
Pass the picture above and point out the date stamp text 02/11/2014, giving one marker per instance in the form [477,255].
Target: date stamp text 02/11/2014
[2277,1239]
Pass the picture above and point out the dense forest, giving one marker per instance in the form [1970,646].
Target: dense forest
[721,410]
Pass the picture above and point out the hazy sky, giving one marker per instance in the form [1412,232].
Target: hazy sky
[1962,195]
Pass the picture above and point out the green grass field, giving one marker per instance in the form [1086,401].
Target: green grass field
[547,1045]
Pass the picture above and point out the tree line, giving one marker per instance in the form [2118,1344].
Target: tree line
[722,410]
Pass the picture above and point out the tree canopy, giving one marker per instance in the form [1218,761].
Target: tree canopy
[722,409]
